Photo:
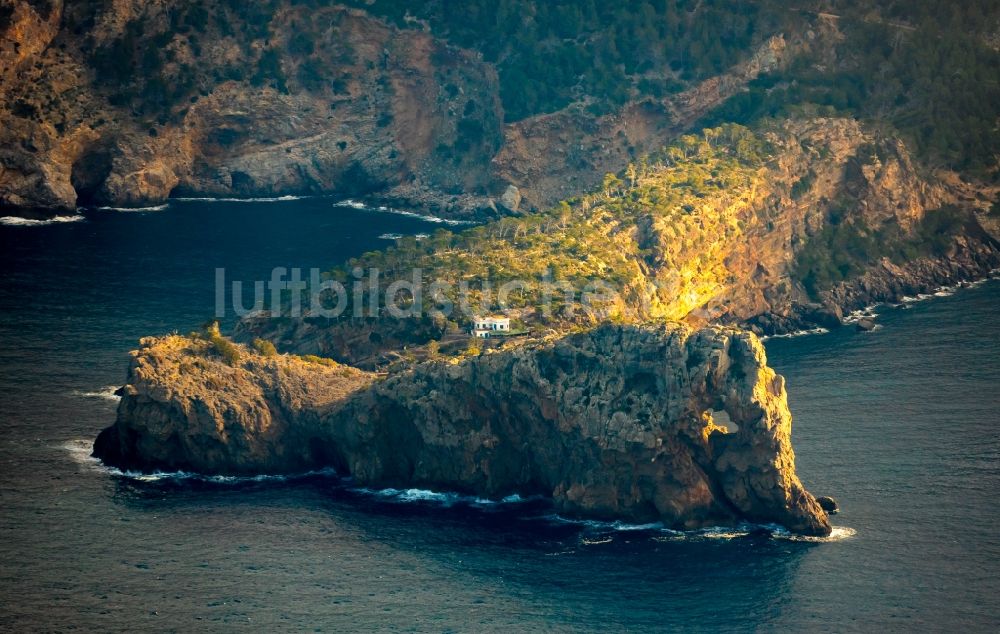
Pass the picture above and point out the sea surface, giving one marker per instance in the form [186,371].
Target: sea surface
[899,424]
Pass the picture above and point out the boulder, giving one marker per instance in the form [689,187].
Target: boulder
[828,504]
[865,325]
[511,199]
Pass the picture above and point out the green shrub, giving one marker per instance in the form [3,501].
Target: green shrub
[264,347]
[228,350]
[433,348]
[803,185]
[311,358]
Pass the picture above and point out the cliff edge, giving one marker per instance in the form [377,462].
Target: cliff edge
[614,423]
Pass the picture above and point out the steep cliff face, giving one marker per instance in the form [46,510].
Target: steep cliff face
[130,102]
[611,423]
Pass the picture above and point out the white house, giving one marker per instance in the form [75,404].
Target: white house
[483,327]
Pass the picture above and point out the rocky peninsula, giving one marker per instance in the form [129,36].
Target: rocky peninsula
[613,423]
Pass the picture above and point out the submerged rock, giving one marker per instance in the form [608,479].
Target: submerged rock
[611,423]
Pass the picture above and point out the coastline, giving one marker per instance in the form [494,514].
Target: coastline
[888,283]
[536,508]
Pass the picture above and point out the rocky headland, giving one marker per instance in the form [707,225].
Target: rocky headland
[611,423]
[830,198]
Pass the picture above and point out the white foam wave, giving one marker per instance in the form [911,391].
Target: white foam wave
[435,497]
[868,312]
[136,209]
[797,333]
[591,541]
[107,392]
[774,531]
[160,476]
[354,204]
[943,291]
[265,199]
[397,236]
[616,525]
[80,451]
[16,221]
[839,533]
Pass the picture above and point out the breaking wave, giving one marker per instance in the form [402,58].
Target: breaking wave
[797,333]
[264,199]
[661,533]
[443,499]
[617,525]
[595,531]
[868,312]
[134,209]
[943,291]
[771,531]
[397,236]
[81,452]
[354,204]
[107,392]
[17,221]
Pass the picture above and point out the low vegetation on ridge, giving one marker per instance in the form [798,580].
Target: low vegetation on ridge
[667,213]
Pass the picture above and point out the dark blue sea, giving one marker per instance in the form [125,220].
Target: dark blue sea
[899,424]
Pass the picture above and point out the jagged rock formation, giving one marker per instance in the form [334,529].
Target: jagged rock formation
[611,423]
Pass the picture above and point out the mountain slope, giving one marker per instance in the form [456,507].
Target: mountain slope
[496,108]
[775,229]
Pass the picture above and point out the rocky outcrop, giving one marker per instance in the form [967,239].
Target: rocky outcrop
[184,407]
[611,423]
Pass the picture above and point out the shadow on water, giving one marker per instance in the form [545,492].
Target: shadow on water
[581,573]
